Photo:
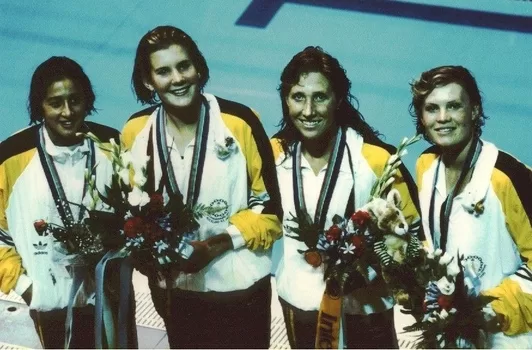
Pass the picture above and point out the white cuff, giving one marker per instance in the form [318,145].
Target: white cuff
[23,283]
[236,237]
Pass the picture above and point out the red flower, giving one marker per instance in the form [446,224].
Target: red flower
[155,207]
[333,233]
[313,257]
[156,201]
[358,242]
[445,302]
[40,226]
[153,232]
[132,227]
[360,217]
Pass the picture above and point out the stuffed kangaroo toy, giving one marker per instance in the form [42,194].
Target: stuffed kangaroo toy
[389,223]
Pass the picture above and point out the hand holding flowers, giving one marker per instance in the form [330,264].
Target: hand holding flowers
[158,229]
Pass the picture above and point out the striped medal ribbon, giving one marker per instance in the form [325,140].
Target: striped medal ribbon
[445,211]
[198,158]
[329,182]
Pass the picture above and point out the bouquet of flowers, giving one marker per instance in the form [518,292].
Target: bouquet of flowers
[155,234]
[352,245]
[84,241]
[452,312]
[344,248]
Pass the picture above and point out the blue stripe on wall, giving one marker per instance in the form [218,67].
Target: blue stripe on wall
[259,13]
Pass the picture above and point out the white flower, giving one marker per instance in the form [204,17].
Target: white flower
[126,158]
[444,314]
[453,269]
[137,197]
[445,285]
[140,179]
[124,176]
[393,158]
[113,143]
[349,248]
[388,182]
[140,162]
[403,153]
[446,259]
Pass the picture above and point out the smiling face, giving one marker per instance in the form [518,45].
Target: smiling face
[311,105]
[448,117]
[64,111]
[173,77]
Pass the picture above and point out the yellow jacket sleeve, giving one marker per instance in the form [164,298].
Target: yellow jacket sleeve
[10,268]
[131,130]
[10,260]
[260,223]
[511,181]
[513,306]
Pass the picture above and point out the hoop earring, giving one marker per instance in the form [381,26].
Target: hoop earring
[155,97]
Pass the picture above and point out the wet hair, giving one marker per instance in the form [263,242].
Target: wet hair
[157,39]
[313,59]
[441,76]
[50,71]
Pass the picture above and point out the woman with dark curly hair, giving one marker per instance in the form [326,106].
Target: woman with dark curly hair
[328,159]
[475,199]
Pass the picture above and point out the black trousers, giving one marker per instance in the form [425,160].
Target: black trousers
[239,319]
[375,331]
[50,327]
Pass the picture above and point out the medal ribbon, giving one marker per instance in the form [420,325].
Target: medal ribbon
[329,182]
[54,182]
[198,158]
[471,159]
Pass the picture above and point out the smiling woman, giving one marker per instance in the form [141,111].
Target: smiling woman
[475,199]
[328,159]
[43,175]
[63,112]
[222,291]
[61,96]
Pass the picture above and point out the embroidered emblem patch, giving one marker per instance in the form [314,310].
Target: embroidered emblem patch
[477,263]
[220,215]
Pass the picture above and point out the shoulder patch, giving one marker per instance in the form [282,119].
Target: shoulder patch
[20,142]
[520,175]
